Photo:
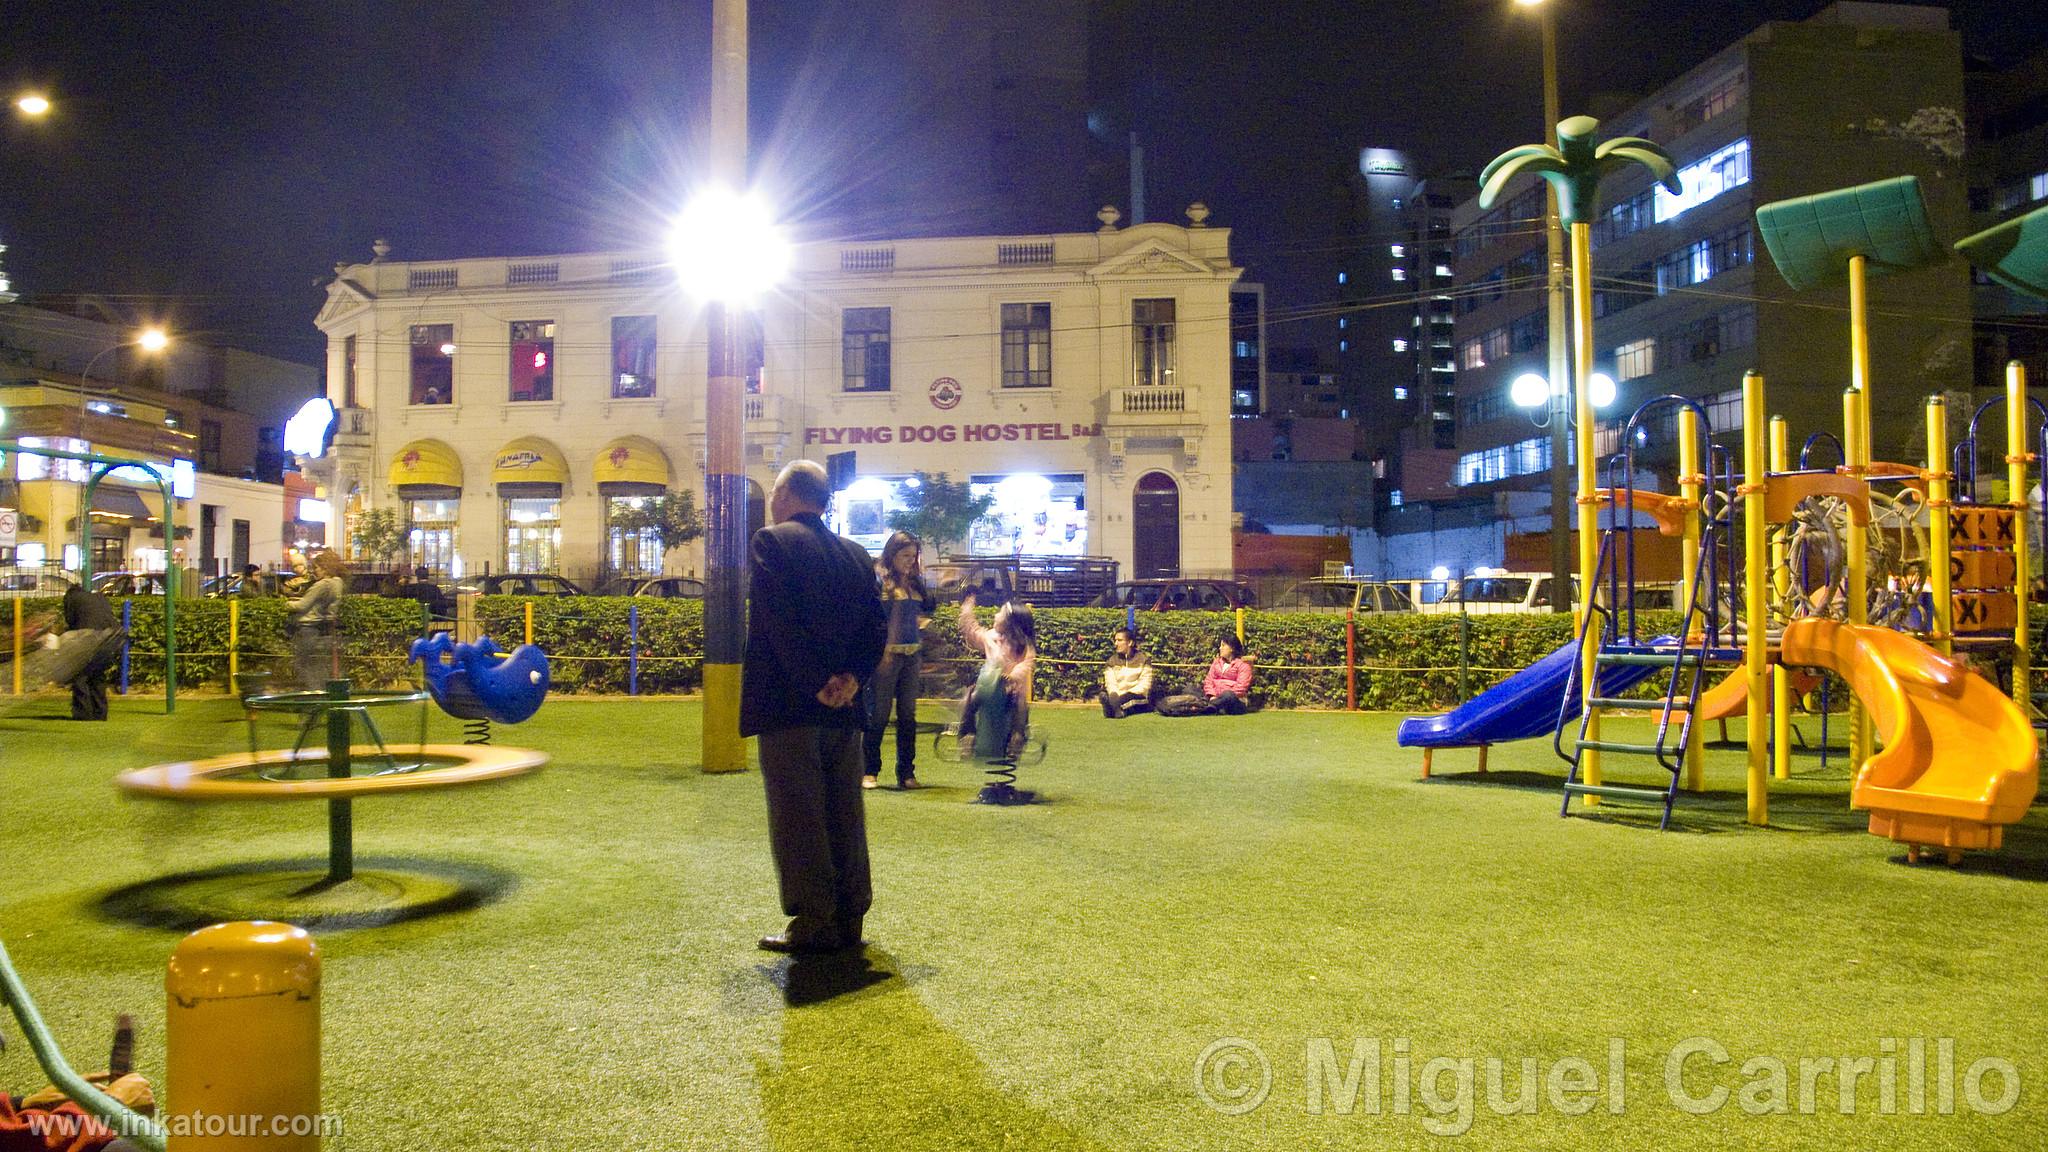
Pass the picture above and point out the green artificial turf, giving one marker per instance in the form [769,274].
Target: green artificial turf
[1046,977]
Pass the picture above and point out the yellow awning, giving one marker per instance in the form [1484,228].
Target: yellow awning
[529,460]
[632,460]
[426,462]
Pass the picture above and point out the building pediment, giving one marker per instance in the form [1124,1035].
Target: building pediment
[1151,258]
[343,297]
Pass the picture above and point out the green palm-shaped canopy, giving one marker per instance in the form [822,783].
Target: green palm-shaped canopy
[2014,253]
[1576,166]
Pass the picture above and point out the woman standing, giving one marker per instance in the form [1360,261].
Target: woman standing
[314,617]
[909,605]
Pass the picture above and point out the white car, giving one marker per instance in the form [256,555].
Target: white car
[25,582]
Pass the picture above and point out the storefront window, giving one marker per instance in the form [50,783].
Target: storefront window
[1034,515]
[533,534]
[630,551]
[430,538]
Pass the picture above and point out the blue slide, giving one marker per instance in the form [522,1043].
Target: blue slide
[1522,707]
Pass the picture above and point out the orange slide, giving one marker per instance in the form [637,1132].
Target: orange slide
[1960,759]
[1730,698]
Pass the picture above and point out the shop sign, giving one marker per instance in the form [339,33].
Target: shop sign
[946,393]
[522,458]
[949,433]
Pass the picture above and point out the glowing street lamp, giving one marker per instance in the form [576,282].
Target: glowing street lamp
[33,104]
[1529,391]
[726,248]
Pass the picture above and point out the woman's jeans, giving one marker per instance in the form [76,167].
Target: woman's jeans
[895,682]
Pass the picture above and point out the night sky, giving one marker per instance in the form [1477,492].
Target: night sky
[215,160]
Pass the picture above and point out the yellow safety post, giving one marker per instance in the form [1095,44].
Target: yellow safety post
[1781,589]
[242,1042]
[1589,505]
[1754,662]
[2016,487]
[1690,487]
[529,621]
[1938,524]
[1853,432]
[1240,624]
[234,644]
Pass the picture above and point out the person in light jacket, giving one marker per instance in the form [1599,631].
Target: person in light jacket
[1126,678]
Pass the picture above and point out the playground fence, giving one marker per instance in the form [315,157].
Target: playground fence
[651,646]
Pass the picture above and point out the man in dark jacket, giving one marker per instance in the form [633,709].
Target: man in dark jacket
[815,631]
[89,611]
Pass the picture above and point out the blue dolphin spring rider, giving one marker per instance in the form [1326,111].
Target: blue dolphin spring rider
[478,683]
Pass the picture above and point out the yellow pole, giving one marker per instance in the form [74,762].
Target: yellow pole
[1943,625]
[242,1039]
[16,609]
[234,644]
[1240,624]
[1859,557]
[2017,457]
[1690,486]
[1589,510]
[1754,663]
[529,621]
[1781,589]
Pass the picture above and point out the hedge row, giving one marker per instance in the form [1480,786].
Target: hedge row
[1407,662]
[375,634]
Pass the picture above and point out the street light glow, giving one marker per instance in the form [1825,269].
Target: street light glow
[1530,3]
[726,247]
[153,340]
[1600,389]
[1529,391]
[33,104]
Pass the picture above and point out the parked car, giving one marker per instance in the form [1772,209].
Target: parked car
[991,581]
[238,585]
[115,585]
[1492,592]
[19,583]
[667,587]
[1169,594]
[1338,595]
[520,584]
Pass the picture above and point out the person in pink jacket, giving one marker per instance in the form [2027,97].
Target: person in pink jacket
[1229,680]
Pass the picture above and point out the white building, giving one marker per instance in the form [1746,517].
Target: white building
[508,405]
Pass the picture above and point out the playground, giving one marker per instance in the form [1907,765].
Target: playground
[1046,977]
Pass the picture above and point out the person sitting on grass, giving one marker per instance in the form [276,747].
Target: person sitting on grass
[1223,690]
[1229,680]
[997,711]
[1126,678]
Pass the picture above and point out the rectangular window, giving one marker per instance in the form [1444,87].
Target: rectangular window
[209,446]
[1636,358]
[2037,186]
[1472,354]
[1152,326]
[1738,327]
[533,535]
[348,371]
[433,364]
[1027,346]
[533,360]
[632,357]
[1725,169]
[864,349]
[430,534]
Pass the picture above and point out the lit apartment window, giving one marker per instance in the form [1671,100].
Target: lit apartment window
[1343,321]
[1636,358]
[433,363]
[1027,346]
[1726,169]
[632,357]
[2037,186]
[864,349]
[1400,393]
[1343,345]
[1152,341]
[1443,270]
[1400,345]
[533,360]
[1397,250]
[1343,277]
[1400,274]
[1472,354]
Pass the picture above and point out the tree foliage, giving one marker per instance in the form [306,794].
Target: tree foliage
[673,518]
[939,510]
[379,535]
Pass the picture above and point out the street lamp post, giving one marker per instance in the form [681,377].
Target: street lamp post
[1560,363]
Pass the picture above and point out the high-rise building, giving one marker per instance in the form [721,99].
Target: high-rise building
[1686,299]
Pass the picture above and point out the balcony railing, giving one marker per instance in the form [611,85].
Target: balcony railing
[1150,400]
